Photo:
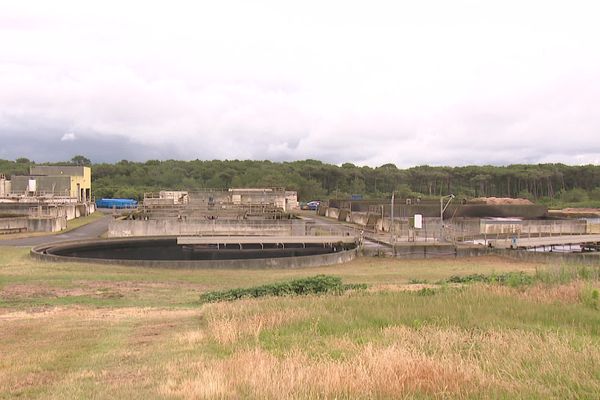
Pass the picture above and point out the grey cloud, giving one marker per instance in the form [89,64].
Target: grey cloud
[408,93]
[45,145]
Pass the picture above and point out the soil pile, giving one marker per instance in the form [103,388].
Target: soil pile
[501,201]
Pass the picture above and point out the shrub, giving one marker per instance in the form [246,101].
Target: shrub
[313,285]
[467,278]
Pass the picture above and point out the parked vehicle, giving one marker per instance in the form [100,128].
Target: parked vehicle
[313,205]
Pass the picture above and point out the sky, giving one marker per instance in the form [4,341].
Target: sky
[432,82]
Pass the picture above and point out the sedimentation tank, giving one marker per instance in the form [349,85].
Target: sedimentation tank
[205,252]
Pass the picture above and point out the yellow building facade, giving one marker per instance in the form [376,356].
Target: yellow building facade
[49,177]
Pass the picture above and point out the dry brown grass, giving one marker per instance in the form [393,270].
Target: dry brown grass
[375,372]
[506,357]
[569,293]
[431,361]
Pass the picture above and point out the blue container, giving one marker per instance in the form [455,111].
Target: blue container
[116,203]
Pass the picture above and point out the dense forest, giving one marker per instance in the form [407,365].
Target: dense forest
[546,183]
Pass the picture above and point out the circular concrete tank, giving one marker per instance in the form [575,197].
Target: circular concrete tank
[164,252]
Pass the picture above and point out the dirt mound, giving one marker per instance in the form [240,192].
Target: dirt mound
[581,210]
[501,201]
[576,213]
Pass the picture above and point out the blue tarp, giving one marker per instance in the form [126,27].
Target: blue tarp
[116,203]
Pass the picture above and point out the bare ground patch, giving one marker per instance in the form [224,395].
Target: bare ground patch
[409,287]
[86,313]
[94,289]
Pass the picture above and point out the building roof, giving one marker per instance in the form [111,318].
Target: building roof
[68,170]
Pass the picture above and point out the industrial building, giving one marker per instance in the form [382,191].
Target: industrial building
[67,181]
[5,186]
[456,221]
[248,211]
[234,203]
[45,199]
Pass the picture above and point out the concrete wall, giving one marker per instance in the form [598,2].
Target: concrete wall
[524,228]
[359,218]
[60,185]
[551,257]
[593,227]
[433,251]
[332,213]
[13,224]
[432,209]
[239,196]
[291,201]
[70,211]
[49,224]
[128,228]
[5,187]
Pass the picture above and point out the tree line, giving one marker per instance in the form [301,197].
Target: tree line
[318,180]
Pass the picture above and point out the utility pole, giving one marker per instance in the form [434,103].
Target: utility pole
[442,209]
[392,220]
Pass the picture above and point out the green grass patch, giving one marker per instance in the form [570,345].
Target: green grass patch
[319,284]
[81,221]
[559,274]
[513,279]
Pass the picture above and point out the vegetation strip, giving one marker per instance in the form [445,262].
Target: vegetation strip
[554,185]
[312,285]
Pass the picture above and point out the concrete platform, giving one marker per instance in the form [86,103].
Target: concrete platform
[206,240]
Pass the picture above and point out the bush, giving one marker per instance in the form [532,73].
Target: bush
[312,285]
[595,194]
[525,194]
[574,195]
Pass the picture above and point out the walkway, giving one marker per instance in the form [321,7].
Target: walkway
[89,231]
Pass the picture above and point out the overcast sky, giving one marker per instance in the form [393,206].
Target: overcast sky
[370,82]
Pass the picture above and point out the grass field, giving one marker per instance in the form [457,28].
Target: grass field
[91,331]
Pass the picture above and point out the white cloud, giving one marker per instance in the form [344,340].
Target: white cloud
[405,82]
[68,137]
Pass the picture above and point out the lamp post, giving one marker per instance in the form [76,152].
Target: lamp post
[442,209]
